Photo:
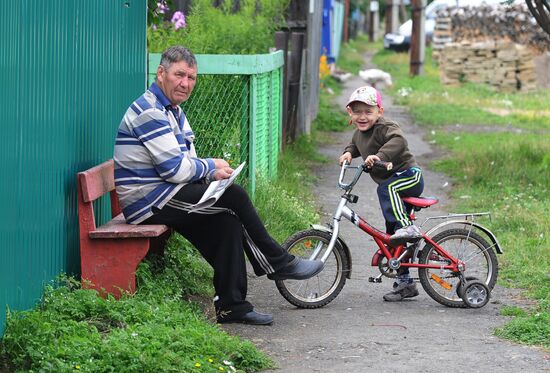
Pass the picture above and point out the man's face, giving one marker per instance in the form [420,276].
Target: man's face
[364,116]
[177,82]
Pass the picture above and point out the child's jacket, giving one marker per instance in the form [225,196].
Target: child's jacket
[386,140]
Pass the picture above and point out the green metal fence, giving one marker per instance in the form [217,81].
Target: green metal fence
[236,110]
[69,69]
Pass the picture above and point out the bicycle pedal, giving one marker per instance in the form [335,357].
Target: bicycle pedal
[375,279]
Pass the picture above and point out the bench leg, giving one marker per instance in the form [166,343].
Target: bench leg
[110,264]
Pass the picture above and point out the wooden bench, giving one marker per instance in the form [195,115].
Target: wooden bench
[110,254]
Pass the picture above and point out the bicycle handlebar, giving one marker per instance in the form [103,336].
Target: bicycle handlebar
[360,169]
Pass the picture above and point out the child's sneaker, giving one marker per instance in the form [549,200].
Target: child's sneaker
[401,291]
[409,233]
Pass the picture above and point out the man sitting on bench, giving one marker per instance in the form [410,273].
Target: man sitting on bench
[158,175]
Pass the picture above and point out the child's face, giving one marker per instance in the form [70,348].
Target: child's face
[364,116]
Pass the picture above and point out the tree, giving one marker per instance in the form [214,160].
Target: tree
[540,9]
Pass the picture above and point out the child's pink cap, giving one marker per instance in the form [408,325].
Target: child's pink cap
[368,95]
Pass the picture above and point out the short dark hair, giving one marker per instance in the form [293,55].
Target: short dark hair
[177,53]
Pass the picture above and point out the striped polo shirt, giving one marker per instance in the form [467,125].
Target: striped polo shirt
[154,155]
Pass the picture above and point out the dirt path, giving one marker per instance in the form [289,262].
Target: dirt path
[360,332]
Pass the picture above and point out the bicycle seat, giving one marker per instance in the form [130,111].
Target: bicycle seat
[420,202]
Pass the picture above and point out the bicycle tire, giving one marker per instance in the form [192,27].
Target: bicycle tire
[323,288]
[479,257]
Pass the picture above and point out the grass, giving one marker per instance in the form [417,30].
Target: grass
[352,54]
[493,168]
[287,205]
[156,330]
[329,116]
[434,104]
[168,325]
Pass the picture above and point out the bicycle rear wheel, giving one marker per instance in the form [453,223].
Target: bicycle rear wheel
[467,246]
[321,289]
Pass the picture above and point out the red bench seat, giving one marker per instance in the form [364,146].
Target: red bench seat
[110,254]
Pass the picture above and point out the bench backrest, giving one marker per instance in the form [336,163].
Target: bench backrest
[94,183]
[97,181]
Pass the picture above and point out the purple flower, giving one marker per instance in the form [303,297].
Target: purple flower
[178,19]
[162,7]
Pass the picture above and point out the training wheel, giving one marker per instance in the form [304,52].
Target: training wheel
[476,294]
[459,287]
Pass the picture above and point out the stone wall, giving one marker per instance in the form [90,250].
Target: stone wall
[502,64]
[492,45]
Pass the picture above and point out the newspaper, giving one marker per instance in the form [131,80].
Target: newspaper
[215,190]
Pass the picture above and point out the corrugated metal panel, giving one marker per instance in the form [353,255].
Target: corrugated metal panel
[69,69]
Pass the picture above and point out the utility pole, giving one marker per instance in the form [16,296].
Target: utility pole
[418,37]
[346,21]
[392,16]
[373,20]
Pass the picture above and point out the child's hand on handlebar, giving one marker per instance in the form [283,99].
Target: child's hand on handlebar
[346,157]
[369,161]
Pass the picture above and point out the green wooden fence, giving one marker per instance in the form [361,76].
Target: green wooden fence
[236,110]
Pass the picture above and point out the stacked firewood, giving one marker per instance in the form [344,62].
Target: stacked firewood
[502,64]
[513,22]
[443,34]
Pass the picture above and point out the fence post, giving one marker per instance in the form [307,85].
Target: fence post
[314,31]
[281,43]
[418,37]
[346,21]
[392,16]
[252,133]
[294,70]
[274,115]
[244,137]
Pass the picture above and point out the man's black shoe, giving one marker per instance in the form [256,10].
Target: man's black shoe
[251,318]
[297,269]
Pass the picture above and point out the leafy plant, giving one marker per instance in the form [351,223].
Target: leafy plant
[219,30]
[156,10]
[151,331]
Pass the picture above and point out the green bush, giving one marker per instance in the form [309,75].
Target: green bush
[154,330]
[212,30]
[286,205]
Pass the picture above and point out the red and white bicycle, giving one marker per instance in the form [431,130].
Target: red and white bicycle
[456,259]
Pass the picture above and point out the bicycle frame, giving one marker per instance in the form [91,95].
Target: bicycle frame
[382,239]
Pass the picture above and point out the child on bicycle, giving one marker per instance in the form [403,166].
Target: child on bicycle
[379,139]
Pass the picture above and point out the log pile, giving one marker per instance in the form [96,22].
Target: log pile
[443,34]
[513,22]
[502,64]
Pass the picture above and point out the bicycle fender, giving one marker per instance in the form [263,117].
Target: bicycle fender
[340,241]
[485,230]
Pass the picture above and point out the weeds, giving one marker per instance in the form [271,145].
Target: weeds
[212,30]
[434,104]
[154,330]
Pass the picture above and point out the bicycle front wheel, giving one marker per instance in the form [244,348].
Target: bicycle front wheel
[467,246]
[321,289]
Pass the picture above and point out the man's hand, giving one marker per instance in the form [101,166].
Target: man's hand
[369,161]
[344,157]
[223,171]
[220,163]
